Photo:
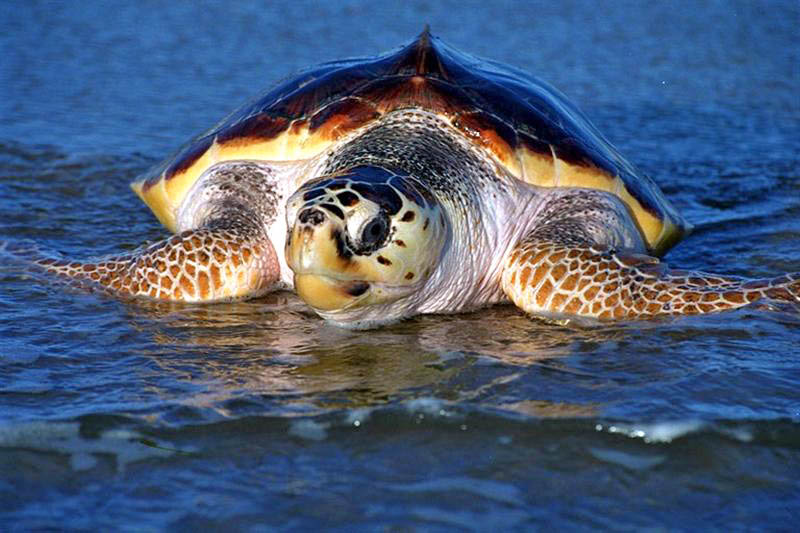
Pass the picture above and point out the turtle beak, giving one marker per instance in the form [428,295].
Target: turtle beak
[325,276]
[326,293]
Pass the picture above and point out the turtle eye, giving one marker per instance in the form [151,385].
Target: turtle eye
[373,233]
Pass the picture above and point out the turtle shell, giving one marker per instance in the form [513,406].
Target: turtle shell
[525,124]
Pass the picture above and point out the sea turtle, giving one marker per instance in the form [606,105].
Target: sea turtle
[419,181]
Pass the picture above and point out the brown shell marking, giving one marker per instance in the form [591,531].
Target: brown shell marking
[524,124]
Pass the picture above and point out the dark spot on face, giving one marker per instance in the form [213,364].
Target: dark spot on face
[408,216]
[311,216]
[341,248]
[333,209]
[347,198]
[400,243]
[357,288]
[425,226]
[382,260]
[409,276]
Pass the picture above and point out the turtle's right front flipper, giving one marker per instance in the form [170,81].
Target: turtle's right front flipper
[224,247]
[208,264]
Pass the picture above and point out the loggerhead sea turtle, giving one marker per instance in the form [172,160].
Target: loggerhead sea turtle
[422,180]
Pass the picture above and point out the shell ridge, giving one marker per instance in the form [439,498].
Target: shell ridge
[511,115]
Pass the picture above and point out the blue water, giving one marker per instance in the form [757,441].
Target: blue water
[257,416]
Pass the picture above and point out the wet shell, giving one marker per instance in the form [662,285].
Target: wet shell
[525,124]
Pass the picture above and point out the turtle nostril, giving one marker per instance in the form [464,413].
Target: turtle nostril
[311,216]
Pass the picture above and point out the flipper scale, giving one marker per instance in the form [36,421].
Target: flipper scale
[604,287]
[197,265]
[568,267]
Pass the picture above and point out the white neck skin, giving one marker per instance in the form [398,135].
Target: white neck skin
[468,274]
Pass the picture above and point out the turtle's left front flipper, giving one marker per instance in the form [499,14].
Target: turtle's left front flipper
[561,281]
[569,266]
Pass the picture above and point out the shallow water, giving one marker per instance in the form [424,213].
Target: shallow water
[257,415]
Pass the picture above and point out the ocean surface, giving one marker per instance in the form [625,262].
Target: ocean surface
[257,416]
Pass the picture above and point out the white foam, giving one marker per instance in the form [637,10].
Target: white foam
[425,404]
[741,434]
[356,417]
[656,432]
[628,460]
[309,429]
[65,438]
[430,406]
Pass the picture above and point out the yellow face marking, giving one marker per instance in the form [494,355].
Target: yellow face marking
[361,239]
[326,294]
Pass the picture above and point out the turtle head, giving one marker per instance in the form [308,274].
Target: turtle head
[360,239]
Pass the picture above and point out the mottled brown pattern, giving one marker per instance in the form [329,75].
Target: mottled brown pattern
[605,286]
[215,270]
[571,282]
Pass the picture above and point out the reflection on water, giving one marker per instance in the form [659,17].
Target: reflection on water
[276,347]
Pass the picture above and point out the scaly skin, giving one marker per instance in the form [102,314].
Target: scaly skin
[552,279]
[568,267]
[197,265]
